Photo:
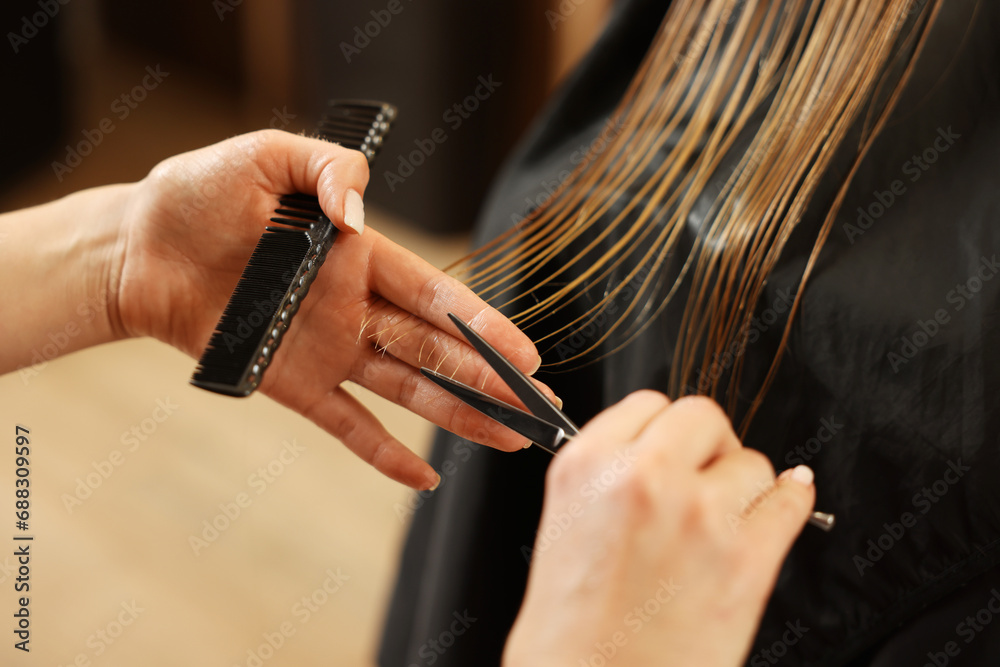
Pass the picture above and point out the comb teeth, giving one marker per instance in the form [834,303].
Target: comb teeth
[357,124]
[259,310]
[302,211]
[283,265]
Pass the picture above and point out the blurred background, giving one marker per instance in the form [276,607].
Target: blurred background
[143,553]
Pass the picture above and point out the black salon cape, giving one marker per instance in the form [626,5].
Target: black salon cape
[890,389]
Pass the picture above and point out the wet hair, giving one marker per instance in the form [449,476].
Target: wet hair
[747,101]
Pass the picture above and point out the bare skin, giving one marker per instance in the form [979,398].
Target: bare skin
[656,563]
[160,258]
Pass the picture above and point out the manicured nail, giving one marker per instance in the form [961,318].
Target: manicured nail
[354,211]
[535,366]
[803,475]
[437,483]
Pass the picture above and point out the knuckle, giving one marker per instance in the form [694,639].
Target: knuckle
[431,293]
[356,161]
[260,142]
[706,409]
[268,136]
[791,508]
[379,455]
[409,388]
[758,462]
[433,350]
[464,420]
[569,469]
[350,163]
[638,492]
[704,517]
[164,172]
[365,369]
[483,376]
[649,397]
[341,424]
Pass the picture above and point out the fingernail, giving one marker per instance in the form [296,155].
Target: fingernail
[354,211]
[527,445]
[437,483]
[558,401]
[535,366]
[803,475]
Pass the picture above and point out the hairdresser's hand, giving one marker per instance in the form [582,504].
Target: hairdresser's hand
[374,315]
[660,541]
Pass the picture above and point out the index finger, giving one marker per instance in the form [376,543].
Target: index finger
[416,286]
[694,431]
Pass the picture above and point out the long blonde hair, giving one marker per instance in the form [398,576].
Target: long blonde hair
[824,74]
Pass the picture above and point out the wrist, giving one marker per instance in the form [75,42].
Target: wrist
[65,258]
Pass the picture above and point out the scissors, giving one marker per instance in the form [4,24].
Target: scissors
[546,426]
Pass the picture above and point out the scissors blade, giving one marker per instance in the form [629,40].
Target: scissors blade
[522,386]
[547,436]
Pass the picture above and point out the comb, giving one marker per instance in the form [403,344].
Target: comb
[284,264]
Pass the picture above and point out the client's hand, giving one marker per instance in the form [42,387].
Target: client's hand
[660,541]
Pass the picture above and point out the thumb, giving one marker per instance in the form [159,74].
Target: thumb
[780,520]
[338,176]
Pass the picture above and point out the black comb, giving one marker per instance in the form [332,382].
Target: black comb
[284,264]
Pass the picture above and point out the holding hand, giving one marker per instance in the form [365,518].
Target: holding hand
[648,549]
[162,257]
